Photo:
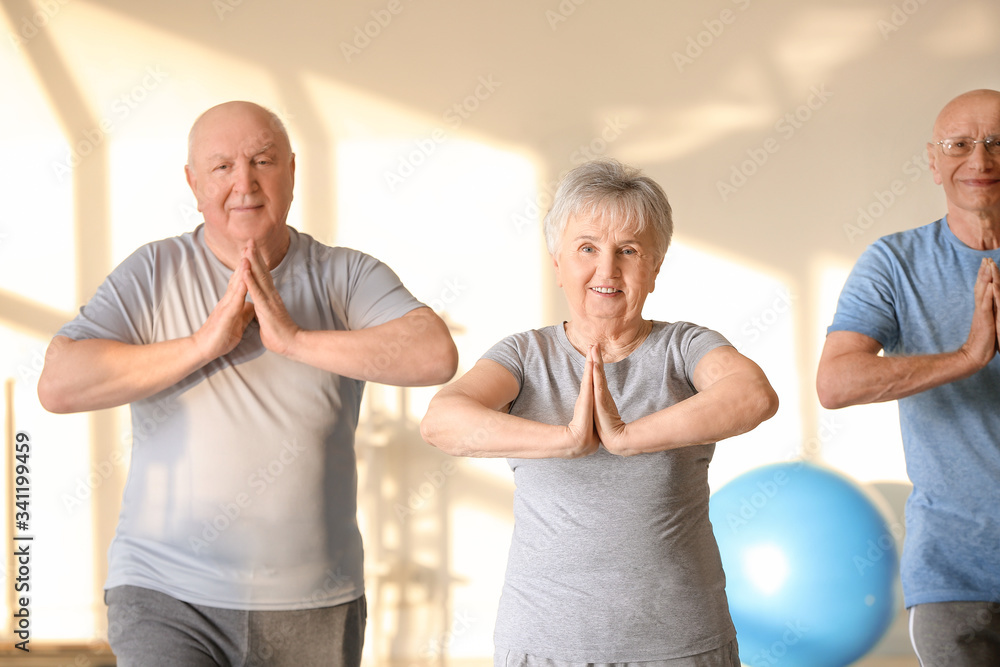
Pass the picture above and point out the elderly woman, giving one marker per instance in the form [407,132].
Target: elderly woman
[609,422]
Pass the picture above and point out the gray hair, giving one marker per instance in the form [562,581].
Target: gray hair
[620,194]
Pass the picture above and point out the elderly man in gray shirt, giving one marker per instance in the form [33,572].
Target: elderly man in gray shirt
[249,344]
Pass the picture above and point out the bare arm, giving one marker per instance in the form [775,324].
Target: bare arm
[734,396]
[410,351]
[468,418]
[413,350]
[95,374]
[851,371]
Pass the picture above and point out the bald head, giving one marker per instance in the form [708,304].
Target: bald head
[223,113]
[972,109]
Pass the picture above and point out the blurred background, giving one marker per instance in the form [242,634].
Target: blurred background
[788,134]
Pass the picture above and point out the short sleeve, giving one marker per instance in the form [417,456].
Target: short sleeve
[693,342]
[508,354]
[121,309]
[867,303]
[375,294]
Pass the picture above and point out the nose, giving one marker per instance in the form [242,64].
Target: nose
[608,265]
[980,157]
[244,179]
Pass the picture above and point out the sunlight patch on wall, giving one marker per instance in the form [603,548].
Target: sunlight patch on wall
[144,66]
[756,312]
[480,542]
[446,228]
[863,440]
[37,260]
[818,42]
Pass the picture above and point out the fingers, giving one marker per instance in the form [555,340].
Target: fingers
[607,421]
[993,270]
[583,414]
[981,345]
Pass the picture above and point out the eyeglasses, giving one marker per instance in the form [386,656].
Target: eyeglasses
[962,146]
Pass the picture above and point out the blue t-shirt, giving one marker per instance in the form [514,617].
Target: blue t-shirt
[913,293]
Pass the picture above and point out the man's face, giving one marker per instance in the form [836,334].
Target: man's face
[972,182]
[242,171]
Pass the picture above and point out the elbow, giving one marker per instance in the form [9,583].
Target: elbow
[829,393]
[51,398]
[769,403]
[438,353]
[765,402]
[431,432]
[438,367]
[446,363]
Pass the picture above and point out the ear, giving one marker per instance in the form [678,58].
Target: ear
[192,182]
[656,272]
[932,163]
[555,263]
[291,167]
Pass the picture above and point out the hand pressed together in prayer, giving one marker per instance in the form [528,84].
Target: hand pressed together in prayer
[596,420]
[984,332]
[277,329]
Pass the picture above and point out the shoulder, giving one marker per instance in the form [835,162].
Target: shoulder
[171,254]
[532,340]
[308,246]
[675,332]
[918,240]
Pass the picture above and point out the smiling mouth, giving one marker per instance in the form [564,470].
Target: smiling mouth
[605,290]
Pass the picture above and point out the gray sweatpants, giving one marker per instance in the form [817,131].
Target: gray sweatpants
[724,656]
[147,628]
[956,634]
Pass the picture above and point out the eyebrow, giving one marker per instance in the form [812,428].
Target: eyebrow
[589,237]
[224,156]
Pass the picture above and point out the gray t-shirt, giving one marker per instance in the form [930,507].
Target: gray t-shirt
[612,559]
[242,488]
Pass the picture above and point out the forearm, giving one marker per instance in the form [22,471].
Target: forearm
[460,426]
[731,406]
[857,378]
[95,374]
[413,350]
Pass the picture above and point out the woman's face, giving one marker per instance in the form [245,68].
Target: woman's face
[606,273]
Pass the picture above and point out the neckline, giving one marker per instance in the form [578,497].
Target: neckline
[276,272]
[579,358]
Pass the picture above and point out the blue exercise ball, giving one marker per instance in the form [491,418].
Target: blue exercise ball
[811,565]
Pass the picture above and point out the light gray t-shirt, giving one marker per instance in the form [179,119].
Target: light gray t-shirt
[242,487]
[612,558]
